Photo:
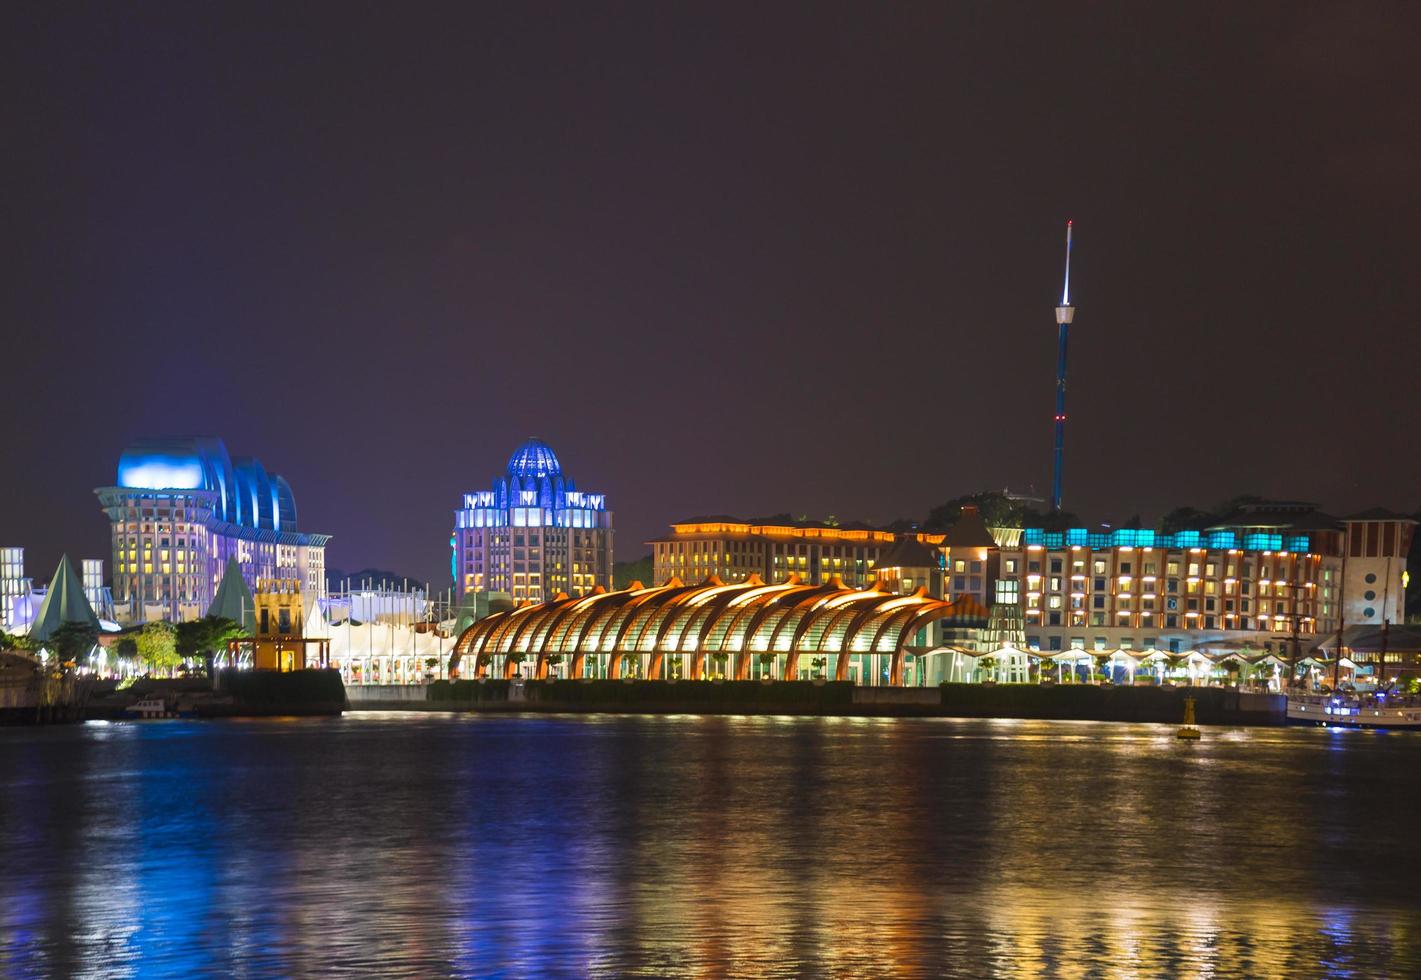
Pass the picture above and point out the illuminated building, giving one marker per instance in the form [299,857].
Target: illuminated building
[280,642]
[792,629]
[1378,542]
[1263,578]
[92,576]
[733,549]
[970,551]
[15,589]
[180,508]
[533,534]
[960,563]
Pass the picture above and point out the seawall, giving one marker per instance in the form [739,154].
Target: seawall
[1213,706]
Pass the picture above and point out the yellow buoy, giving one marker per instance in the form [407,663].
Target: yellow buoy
[1188,731]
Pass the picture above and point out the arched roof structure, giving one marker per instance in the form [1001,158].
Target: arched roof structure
[712,618]
[245,493]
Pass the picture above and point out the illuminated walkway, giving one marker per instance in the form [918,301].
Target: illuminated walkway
[790,630]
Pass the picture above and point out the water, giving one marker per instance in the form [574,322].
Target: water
[424,846]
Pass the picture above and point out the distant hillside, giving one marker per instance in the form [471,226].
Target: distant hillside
[372,577]
[624,573]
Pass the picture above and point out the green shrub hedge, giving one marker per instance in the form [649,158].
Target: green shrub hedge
[261,688]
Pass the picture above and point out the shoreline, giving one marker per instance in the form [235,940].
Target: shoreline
[1214,706]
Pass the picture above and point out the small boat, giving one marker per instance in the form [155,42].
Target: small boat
[149,707]
[1378,711]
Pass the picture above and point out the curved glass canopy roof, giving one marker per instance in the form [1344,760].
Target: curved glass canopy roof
[713,618]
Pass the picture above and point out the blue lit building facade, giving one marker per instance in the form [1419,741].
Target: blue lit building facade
[533,534]
[180,508]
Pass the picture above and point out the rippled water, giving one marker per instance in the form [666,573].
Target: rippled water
[416,845]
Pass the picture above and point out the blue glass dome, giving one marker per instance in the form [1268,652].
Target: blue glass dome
[535,458]
[247,494]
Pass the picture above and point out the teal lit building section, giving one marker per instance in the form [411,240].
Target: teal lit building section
[1144,538]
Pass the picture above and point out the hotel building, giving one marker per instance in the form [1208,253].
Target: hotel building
[533,535]
[733,549]
[1270,577]
[180,508]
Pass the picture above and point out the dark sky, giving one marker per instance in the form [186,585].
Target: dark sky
[735,258]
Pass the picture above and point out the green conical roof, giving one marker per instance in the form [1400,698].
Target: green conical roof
[64,602]
[233,599]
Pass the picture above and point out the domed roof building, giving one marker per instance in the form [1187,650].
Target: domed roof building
[536,459]
[180,507]
[533,533]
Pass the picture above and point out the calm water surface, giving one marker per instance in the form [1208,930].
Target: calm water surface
[426,846]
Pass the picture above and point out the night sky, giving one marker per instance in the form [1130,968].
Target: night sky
[742,258]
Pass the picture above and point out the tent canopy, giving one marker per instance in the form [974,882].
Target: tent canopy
[233,599]
[64,602]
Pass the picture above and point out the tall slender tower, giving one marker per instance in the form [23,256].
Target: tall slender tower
[1064,314]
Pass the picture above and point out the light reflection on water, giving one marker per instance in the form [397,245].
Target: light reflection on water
[686,846]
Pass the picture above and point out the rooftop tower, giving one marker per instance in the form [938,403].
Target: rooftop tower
[1064,314]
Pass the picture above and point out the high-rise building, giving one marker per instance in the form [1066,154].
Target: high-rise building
[533,534]
[180,508]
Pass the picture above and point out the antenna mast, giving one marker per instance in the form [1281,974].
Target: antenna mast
[1064,314]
